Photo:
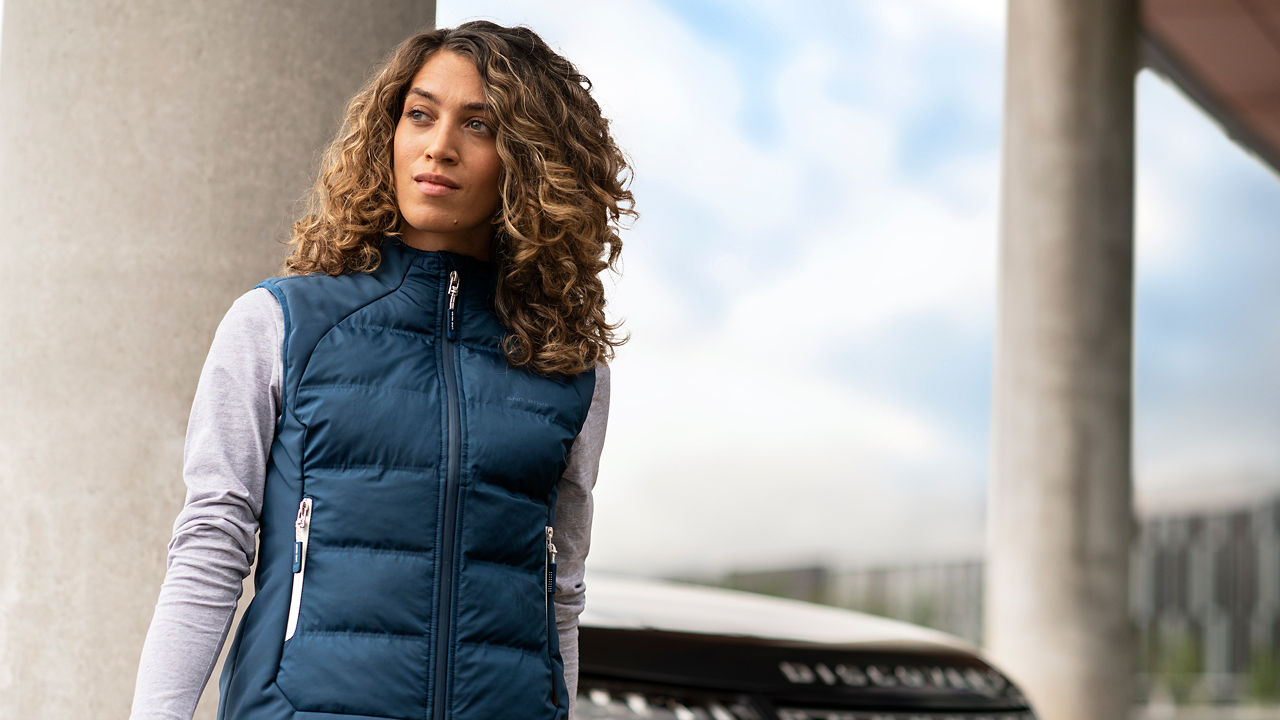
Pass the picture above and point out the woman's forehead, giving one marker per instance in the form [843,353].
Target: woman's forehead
[450,78]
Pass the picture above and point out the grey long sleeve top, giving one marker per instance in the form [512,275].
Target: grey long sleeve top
[229,436]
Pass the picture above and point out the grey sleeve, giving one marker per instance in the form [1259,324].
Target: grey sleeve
[229,436]
[572,531]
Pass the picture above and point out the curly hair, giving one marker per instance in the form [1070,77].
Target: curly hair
[561,185]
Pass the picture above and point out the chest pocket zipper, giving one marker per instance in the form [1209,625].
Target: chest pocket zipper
[549,575]
[301,534]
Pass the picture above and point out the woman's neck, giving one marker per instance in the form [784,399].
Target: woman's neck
[476,245]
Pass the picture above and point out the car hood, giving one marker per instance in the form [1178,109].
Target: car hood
[627,602]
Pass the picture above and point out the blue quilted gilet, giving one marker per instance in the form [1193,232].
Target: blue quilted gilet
[404,565]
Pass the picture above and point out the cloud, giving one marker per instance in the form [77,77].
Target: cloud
[764,252]
[811,285]
[1164,200]
[1207,402]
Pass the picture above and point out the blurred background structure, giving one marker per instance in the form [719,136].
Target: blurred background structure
[812,287]
[1060,508]
[1058,596]
[1204,600]
[150,157]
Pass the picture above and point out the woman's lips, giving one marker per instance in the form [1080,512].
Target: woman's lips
[430,188]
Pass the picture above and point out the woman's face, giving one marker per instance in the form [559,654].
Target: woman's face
[445,159]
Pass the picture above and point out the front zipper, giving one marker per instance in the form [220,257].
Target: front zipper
[451,330]
[301,534]
[549,574]
[445,600]
[550,564]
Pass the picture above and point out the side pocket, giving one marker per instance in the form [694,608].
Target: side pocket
[549,575]
[301,534]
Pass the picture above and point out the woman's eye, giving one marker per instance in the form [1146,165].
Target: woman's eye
[482,123]
[415,114]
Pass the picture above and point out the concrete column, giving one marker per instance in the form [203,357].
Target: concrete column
[1060,515]
[151,153]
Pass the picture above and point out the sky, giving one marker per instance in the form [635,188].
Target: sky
[810,287]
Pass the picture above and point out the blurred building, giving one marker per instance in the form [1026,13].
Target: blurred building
[1205,599]
[811,583]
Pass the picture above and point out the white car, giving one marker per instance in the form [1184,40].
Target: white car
[661,649]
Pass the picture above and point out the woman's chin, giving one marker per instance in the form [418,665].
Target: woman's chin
[438,223]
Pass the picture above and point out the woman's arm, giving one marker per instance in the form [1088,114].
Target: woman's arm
[229,436]
[572,534]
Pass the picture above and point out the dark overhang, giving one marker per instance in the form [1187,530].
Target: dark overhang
[1225,55]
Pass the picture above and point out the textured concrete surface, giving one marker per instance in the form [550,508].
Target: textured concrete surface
[1060,516]
[151,155]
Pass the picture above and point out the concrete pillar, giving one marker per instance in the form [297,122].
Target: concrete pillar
[1060,513]
[151,153]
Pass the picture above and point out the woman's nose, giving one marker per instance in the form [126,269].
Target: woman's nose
[442,146]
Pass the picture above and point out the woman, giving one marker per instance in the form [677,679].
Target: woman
[412,416]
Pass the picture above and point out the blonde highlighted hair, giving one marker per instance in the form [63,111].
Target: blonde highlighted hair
[562,184]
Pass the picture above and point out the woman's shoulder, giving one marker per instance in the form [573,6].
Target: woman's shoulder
[277,284]
[253,317]
[600,394]
[326,297]
[256,306]
[258,299]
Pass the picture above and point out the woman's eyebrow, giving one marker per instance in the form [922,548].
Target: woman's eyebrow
[477,106]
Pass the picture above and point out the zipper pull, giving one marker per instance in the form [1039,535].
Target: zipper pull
[551,567]
[454,282]
[300,532]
